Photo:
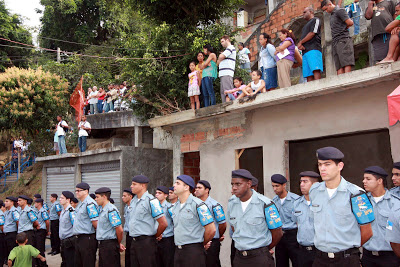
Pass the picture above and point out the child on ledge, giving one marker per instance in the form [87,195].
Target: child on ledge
[235,92]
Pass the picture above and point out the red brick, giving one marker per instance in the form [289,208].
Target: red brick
[222,132]
[187,137]
[194,146]
[185,147]
[200,136]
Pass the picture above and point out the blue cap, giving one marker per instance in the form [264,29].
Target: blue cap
[327,153]
[141,179]
[39,200]
[171,188]
[14,199]
[163,189]
[205,183]
[254,181]
[310,174]
[377,171]
[83,186]
[102,190]
[242,173]
[128,190]
[279,179]
[68,194]
[75,200]
[37,195]
[187,180]
[396,165]
[24,197]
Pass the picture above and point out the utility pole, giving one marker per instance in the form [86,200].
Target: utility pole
[19,162]
[58,55]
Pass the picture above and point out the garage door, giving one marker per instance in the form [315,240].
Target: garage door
[59,179]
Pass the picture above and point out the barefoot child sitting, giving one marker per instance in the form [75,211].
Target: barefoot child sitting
[23,253]
[394,29]
[255,87]
[194,86]
[235,92]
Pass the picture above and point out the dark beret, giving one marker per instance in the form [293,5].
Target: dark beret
[30,201]
[310,174]
[254,181]
[14,199]
[24,197]
[279,179]
[83,186]
[171,188]
[377,171]
[141,179]
[92,195]
[54,195]
[163,189]
[327,153]
[396,165]
[112,200]
[187,180]
[37,195]
[67,194]
[242,173]
[75,200]
[102,190]
[128,190]
[39,200]
[205,183]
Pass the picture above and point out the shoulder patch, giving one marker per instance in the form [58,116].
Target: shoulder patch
[2,220]
[272,216]
[204,214]
[114,218]
[45,206]
[45,215]
[156,209]
[72,215]
[58,207]
[15,215]
[32,216]
[362,208]
[92,210]
[219,213]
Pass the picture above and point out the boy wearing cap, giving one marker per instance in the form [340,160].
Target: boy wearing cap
[142,224]
[255,223]
[287,248]
[171,196]
[109,230]
[10,223]
[377,251]
[202,191]
[340,227]
[43,229]
[55,210]
[67,217]
[84,227]
[193,225]
[27,220]
[165,246]
[305,223]
[127,198]
[396,179]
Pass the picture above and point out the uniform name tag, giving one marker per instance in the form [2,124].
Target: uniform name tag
[272,216]
[156,209]
[58,207]
[45,216]
[15,215]
[92,211]
[32,216]
[218,213]
[362,208]
[72,215]
[204,214]
[389,225]
[2,220]
[114,218]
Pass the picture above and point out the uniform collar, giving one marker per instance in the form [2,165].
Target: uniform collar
[69,206]
[144,195]
[86,200]
[387,194]
[27,208]
[253,197]
[342,186]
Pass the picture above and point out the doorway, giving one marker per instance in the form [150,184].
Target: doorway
[251,159]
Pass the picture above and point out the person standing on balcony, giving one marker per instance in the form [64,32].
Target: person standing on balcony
[354,11]
[226,62]
[381,13]
[93,100]
[14,160]
[268,62]
[342,43]
[208,74]
[244,57]
[84,126]
[310,44]
[61,134]
[285,57]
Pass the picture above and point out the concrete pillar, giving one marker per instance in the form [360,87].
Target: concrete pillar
[138,136]
[273,162]
[330,69]
[78,172]
[271,6]
[177,157]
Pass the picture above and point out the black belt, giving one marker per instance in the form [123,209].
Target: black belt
[253,252]
[340,254]
[9,233]
[84,235]
[29,231]
[290,231]
[377,253]
[190,245]
[142,237]
[308,248]
[108,241]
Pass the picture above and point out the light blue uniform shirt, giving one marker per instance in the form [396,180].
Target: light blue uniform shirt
[2,219]
[55,207]
[107,222]
[286,210]
[43,216]
[382,209]
[66,220]
[187,226]
[250,227]
[141,221]
[393,225]
[169,231]
[11,219]
[83,223]
[210,202]
[336,227]
[127,210]
[395,191]
[305,222]
[25,222]
[267,56]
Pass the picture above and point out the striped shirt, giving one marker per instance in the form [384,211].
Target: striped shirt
[227,66]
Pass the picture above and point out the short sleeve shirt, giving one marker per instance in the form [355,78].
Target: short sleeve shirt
[23,255]
[338,26]
[395,190]
[43,216]
[54,209]
[109,219]
[393,226]
[210,202]
[66,219]
[83,132]
[26,219]
[383,13]
[11,218]
[313,25]
[286,210]
[83,213]
[227,66]
[305,222]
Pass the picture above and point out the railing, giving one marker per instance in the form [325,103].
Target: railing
[8,170]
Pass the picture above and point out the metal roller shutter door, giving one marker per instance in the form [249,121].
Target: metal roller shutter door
[58,181]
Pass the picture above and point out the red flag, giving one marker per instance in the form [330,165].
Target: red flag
[77,100]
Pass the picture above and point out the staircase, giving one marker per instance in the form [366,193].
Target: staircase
[10,176]
[6,183]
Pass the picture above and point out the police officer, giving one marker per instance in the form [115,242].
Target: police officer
[74,202]
[109,230]
[55,210]
[254,184]
[84,227]
[67,218]
[43,229]
[10,223]
[27,220]
[193,225]
[202,191]
[377,251]
[393,230]
[127,198]
[340,227]
[396,179]
[45,206]
[287,248]
[172,197]
[3,255]
[255,222]
[146,211]
[305,223]
[165,246]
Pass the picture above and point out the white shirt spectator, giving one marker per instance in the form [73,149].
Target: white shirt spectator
[60,130]
[92,99]
[244,55]
[83,132]
[227,66]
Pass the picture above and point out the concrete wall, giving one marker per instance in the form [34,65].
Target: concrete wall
[113,120]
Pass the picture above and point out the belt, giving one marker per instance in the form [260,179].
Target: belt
[9,233]
[253,252]
[308,248]
[142,237]
[108,241]
[190,245]
[84,235]
[290,231]
[377,253]
[340,254]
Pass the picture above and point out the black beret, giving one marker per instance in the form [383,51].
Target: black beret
[112,200]
[396,165]
[163,189]
[92,195]
[205,183]
[54,195]
[67,194]
[128,190]
[254,181]
[14,199]
[30,201]
[279,179]
[75,200]
[24,197]
[377,171]
[171,188]
[102,190]
[39,200]
[242,173]
[83,186]
[187,180]
[141,179]
[327,153]
[310,174]
[37,195]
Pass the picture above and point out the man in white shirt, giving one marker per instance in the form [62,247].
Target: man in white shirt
[226,62]
[83,126]
[61,134]
[93,100]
